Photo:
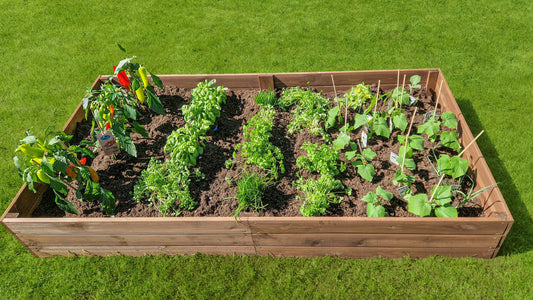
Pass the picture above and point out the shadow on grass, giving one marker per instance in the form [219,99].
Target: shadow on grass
[519,238]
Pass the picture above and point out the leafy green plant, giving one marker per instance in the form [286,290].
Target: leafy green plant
[310,111]
[432,127]
[256,147]
[374,207]
[453,166]
[378,125]
[438,204]
[52,162]
[357,96]
[319,194]
[250,191]
[415,80]
[323,159]
[361,158]
[166,183]
[266,99]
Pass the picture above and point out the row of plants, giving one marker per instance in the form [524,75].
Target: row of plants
[166,183]
[113,110]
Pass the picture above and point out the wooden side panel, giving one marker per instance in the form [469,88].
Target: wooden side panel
[140,250]
[121,226]
[377,240]
[371,252]
[362,225]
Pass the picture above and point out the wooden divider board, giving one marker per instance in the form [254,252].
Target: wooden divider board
[280,236]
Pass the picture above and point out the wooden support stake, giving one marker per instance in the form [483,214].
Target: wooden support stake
[397,86]
[377,97]
[407,138]
[438,97]
[479,134]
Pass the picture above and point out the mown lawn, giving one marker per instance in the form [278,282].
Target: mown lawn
[51,51]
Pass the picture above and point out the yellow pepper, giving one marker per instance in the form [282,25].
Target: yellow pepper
[140,94]
[144,76]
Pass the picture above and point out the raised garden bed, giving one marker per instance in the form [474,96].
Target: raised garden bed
[346,236]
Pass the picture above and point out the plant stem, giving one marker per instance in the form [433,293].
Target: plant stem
[377,97]
[397,86]
[438,97]
[407,138]
[361,151]
[479,134]
[436,187]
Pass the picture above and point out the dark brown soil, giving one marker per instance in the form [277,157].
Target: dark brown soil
[216,197]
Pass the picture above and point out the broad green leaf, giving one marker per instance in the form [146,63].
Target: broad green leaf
[332,116]
[130,112]
[360,120]
[375,211]
[416,142]
[107,201]
[415,79]
[30,139]
[430,128]
[449,120]
[449,139]
[442,194]
[64,205]
[341,141]
[444,164]
[369,154]
[446,211]
[366,171]
[46,166]
[58,185]
[370,197]
[138,128]
[402,151]
[157,81]
[384,194]
[419,205]
[350,154]
[154,103]
[381,128]
[400,122]
[459,165]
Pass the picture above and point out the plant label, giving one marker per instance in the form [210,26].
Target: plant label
[364,138]
[389,105]
[403,190]
[428,115]
[390,125]
[412,100]
[107,142]
[394,158]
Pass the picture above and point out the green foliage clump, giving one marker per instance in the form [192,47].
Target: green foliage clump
[266,99]
[310,112]
[256,148]
[322,159]
[250,191]
[166,183]
[357,96]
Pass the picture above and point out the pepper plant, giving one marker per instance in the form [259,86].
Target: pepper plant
[52,162]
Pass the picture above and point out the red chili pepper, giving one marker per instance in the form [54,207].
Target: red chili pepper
[123,79]
[107,126]
[112,111]
[83,160]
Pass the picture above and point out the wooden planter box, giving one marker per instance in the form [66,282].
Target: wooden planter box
[279,236]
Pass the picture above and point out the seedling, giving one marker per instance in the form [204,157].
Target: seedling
[250,191]
[361,158]
[374,208]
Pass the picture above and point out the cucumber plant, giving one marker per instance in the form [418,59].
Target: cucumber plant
[374,207]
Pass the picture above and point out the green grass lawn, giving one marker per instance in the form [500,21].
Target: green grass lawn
[51,51]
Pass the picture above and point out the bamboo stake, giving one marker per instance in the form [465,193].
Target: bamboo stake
[438,97]
[397,86]
[377,97]
[479,134]
[335,89]
[403,84]
[407,138]
[442,176]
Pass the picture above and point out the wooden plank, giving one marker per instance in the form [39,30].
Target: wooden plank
[104,226]
[141,250]
[431,81]
[113,239]
[377,240]
[371,252]
[413,225]
[266,82]
[25,201]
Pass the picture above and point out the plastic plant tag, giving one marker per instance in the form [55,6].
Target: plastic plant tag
[364,138]
[428,115]
[403,190]
[390,125]
[107,142]
[394,158]
[412,100]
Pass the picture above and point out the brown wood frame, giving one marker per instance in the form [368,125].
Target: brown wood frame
[279,236]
